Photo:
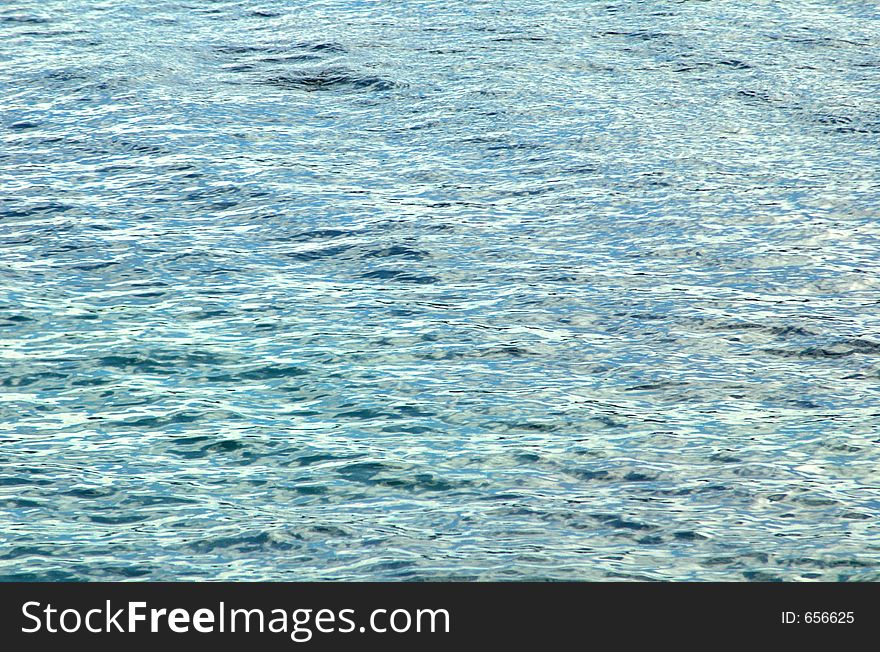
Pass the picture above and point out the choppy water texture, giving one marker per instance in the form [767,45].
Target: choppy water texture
[440,290]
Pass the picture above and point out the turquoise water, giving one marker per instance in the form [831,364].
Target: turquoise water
[439,290]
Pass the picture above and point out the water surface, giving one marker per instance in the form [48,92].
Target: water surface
[439,290]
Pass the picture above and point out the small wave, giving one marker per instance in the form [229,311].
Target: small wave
[330,79]
[401,276]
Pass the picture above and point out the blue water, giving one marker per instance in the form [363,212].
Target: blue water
[440,290]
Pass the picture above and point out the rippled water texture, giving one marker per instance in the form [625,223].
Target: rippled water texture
[440,290]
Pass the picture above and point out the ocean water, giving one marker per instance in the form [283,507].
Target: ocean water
[439,290]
